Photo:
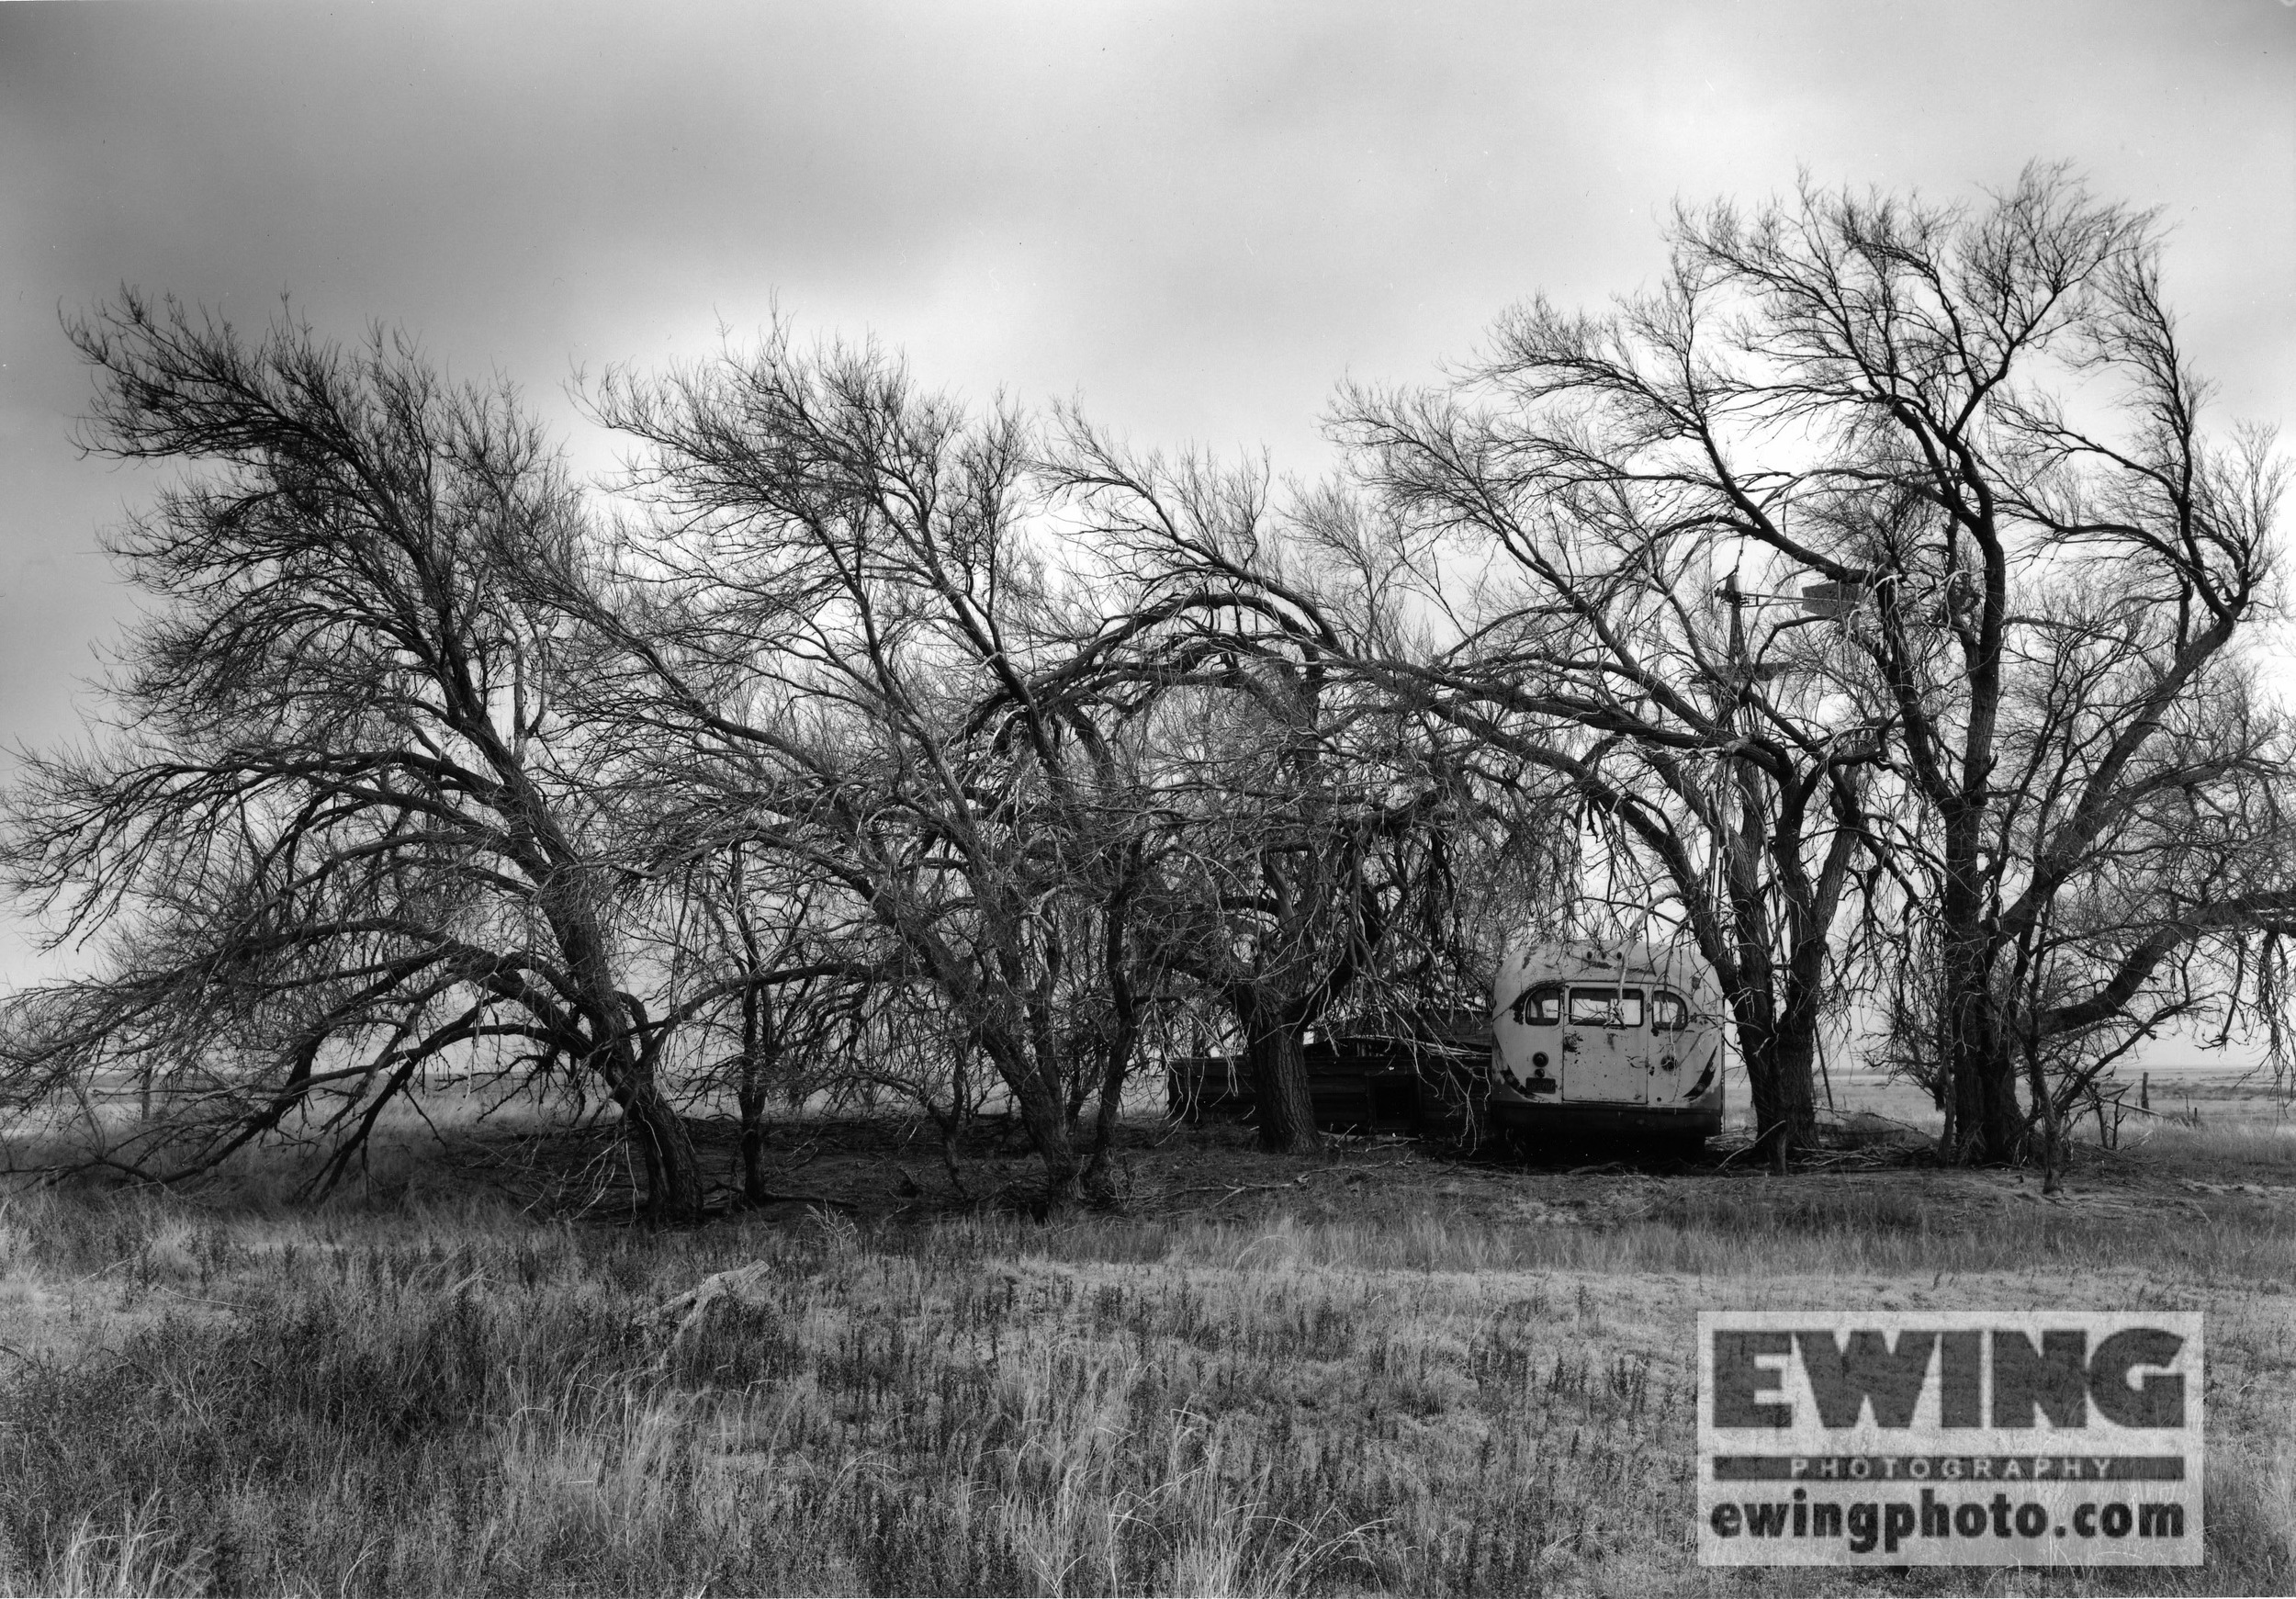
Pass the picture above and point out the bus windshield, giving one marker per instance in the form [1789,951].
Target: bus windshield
[1606,1007]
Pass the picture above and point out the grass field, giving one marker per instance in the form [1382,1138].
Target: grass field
[1382,1371]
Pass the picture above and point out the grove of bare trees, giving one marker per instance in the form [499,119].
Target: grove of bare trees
[1871,603]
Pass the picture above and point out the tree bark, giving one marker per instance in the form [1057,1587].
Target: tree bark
[664,1142]
[673,1167]
[1117,1068]
[750,1095]
[752,1107]
[1779,1056]
[1279,1088]
[1036,1091]
[1988,1126]
[2045,1111]
[1123,1035]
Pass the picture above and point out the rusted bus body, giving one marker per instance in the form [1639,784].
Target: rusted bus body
[1606,1038]
[1430,1085]
[1582,1039]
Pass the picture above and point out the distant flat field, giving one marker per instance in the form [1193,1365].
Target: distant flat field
[2248,1094]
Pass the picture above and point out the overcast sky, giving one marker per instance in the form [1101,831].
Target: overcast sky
[1196,219]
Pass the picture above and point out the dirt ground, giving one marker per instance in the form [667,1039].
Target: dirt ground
[888,1171]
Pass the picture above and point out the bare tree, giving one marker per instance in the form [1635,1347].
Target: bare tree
[2057,571]
[840,617]
[1300,818]
[774,982]
[1564,516]
[1959,451]
[339,828]
[1270,883]
[2102,931]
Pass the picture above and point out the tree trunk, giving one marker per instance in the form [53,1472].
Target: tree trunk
[673,1167]
[1778,1060]
[1036,1090]
[1975,1046]
[1123,1036]
[1986,1120]
[1119,1061]
[757,1047]
[2045,1108]
[1280,1089]
[1987,1126]
[750,1098]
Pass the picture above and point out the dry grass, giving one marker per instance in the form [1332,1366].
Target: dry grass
[448,1396]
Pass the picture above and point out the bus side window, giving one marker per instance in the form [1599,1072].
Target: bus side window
[1541,1006]
[1669,1012]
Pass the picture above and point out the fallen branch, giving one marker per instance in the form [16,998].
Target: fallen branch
[1299,1181]
[777,1198]
[691,1308]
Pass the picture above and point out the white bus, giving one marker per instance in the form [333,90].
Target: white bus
[1606,1038]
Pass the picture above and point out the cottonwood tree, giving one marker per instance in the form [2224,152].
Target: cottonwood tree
[1299,820]
[337,828]
[1566,516]
[2104,929]
[776,985]
[1271,881]
[1967,439]
[2061,573]
[839,617]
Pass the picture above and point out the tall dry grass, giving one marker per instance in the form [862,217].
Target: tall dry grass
[453,1398]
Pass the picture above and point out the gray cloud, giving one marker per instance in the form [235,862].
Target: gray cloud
[1200,217]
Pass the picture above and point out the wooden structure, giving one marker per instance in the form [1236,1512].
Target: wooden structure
[1428,1086]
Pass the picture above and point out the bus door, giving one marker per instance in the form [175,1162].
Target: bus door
[1682,1048]
[1605,1030]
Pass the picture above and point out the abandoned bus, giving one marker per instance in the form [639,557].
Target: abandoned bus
[1606,1038]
